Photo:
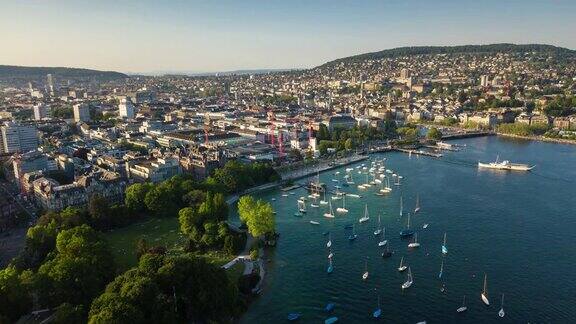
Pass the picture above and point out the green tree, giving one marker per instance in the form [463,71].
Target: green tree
[160,201]
[434,134]
[189,219]
[258,216]
[349,144]
[99,211]
[15,299]
[135,195]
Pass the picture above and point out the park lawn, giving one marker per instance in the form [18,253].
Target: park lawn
[156,231]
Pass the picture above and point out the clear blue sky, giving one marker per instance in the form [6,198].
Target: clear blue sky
[219,35]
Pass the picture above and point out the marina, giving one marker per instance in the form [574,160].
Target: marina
[460,208]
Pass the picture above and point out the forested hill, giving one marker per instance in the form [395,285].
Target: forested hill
[28,73]
[492,48]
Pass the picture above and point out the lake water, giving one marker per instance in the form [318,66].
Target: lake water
[518,228]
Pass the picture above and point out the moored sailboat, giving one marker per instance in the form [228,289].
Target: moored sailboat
[402,266]
[462,308]
[365,218]
[414,244]
[484,294]
[407,231]
[409,280]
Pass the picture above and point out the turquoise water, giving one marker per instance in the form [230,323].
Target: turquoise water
[518,228]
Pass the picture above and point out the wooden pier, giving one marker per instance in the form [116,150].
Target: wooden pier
[418,152]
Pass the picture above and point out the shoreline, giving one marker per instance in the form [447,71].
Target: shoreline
[539,138]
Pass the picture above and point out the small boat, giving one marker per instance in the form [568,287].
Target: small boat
[273,199]
[386,253]
[425,226]
[365,274]
[462,308]
[417,208]
[330,266]
[501,313]
[484,294]
[378,229]
[384,241]
[407,231]
[284,195]
[330,255]
[366,217]
[314,222]
[329,307]
[294,316]
[353,236]
[331,320]
[414,244]
[402,266]
[444,248]
[409,280]
[354,195]
[329,243]
[378,312]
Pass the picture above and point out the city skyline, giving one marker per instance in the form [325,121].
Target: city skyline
[199,36]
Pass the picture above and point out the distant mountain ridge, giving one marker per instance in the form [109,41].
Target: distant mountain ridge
[461,49]
[13,72]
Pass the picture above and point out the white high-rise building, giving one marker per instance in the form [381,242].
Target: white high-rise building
[81,112]
[484,81]
[50,83]
[18,138]
[40,111]
[126,108]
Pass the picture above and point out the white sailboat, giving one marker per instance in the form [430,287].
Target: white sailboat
[441,270]
[329,243]
[462,308]
[366,217]
[384,240]
[302,206]
[323,201]
[378,229]
[501,313]
[414,244]
[402,266]
[484,294]
[314,222]
[365,274]
[417,208]
[331,213]
[409,280]
[343,208]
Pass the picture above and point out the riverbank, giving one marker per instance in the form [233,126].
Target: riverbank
[539,138]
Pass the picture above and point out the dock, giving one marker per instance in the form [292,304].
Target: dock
[292,187]
[460,135]
[418,152]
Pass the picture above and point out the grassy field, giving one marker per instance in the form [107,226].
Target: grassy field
[156,231]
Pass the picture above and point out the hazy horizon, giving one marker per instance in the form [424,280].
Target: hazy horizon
[146,37]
